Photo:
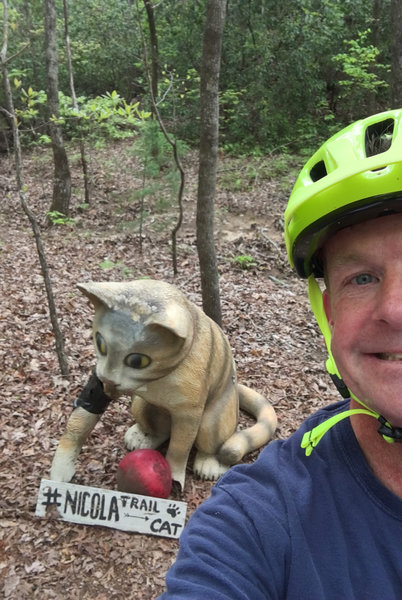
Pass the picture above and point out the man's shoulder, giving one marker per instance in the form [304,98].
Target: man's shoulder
[283,462]
[290,448]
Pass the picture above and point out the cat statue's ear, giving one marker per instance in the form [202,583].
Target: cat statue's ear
[98,294]
[138,297]
[175,319]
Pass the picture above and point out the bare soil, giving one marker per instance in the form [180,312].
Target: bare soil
[266,315]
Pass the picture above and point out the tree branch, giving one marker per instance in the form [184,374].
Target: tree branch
[173,144]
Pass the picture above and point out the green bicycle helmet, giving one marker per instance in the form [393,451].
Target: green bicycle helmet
[356,175]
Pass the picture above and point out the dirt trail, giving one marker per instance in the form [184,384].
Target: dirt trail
[277,348]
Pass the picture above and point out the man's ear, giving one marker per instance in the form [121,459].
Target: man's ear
[327,307]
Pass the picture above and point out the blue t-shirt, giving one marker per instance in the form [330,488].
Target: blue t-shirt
[293,527]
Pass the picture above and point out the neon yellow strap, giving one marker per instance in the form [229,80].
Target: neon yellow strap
[315,297]
[313,437]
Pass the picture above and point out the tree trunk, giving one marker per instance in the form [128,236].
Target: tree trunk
[153,38]
[68,54]
[28,22]
[154,71]
[10,112]
[62,178]
[84,162]
[209,135]
[375,40]
[396,54]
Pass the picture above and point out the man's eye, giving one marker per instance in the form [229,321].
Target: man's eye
[363,279]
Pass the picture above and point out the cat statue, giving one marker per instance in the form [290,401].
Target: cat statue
[154,344]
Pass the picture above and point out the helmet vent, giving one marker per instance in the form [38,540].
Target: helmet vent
[378,137]
[318,171]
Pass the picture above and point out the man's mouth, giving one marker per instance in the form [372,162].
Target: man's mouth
[389,356]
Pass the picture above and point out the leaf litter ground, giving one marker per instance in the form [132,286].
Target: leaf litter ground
[276,345]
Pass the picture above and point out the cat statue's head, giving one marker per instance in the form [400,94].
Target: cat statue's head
[142,330]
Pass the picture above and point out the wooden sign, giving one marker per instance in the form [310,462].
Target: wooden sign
[108,508]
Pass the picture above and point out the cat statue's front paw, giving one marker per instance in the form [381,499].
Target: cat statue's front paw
[179,476]
[135,438]
[207,466]
[62,469]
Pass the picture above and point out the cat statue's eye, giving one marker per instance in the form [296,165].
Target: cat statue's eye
[137,361]
[101,344]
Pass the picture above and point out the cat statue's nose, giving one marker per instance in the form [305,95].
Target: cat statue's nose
[107,381]
[110,387]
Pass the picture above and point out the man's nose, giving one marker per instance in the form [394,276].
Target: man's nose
[389,306]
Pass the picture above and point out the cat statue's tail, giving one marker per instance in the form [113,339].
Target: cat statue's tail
[246,440]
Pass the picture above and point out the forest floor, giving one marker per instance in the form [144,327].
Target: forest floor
[266,315]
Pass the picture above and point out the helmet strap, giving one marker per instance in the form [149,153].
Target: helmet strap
[312,438]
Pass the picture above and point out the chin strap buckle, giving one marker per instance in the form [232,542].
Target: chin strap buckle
[389,433]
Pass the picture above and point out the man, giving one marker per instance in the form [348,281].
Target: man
[319,516]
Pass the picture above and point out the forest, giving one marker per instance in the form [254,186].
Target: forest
[291,71]
[110,98]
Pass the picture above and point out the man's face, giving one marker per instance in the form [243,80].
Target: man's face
[363,304]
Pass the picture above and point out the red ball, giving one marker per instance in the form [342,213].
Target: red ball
[144,472]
